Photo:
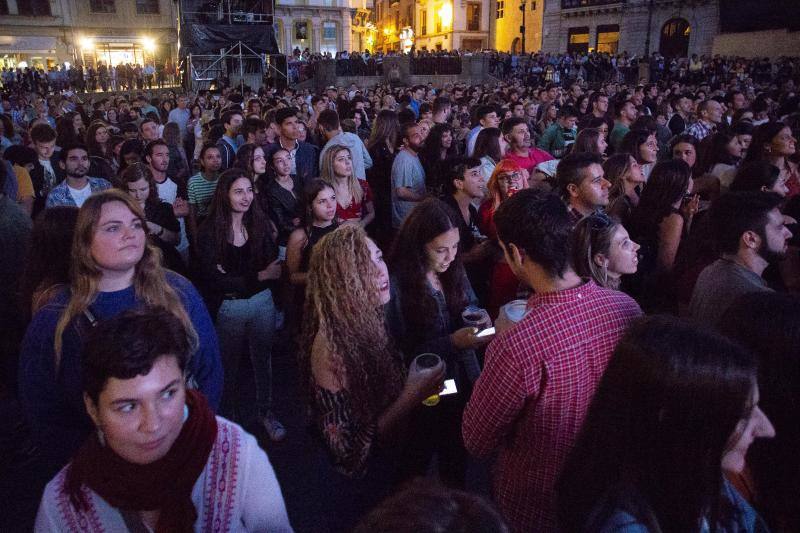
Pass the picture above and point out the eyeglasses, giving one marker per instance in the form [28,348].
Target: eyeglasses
[514,176]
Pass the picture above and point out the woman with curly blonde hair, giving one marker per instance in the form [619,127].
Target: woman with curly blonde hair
[353,373]
[113,268]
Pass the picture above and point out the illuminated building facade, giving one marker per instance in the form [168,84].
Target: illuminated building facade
[432,25]
[324,25]
[45,33]
[509,17]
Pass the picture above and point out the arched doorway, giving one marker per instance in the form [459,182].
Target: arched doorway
[516,45]
[675,38]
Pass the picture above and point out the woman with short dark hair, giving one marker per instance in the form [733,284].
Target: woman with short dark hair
[158,459]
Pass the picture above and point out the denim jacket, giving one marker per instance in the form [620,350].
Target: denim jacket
[59,195]
[742,518]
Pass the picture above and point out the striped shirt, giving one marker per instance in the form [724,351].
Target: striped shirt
[200,192]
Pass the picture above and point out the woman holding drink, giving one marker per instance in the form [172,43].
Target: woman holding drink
[354,375]
[430,291]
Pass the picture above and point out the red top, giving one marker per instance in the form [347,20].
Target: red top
[486,219]
[355,211]
[535,156]
[533,394]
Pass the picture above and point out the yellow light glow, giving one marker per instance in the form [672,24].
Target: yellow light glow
[446,14]
[87,42]
[148,44]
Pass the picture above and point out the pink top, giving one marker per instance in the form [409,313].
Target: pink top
[535,156]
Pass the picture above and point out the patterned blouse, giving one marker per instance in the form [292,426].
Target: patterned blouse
[348,440]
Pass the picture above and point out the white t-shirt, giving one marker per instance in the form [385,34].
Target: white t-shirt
[80,195]
[167,191]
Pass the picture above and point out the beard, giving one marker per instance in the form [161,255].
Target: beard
[770,256]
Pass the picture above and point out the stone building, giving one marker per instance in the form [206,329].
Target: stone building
[671,27]
[432,24]
[324,25]
[507,23]
[50,32]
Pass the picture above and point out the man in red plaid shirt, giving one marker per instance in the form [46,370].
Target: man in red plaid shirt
[541,374]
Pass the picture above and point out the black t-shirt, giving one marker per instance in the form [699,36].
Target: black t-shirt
[467,230]
[163,215]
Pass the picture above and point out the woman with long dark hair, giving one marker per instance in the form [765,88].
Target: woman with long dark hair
[660,223]
[49,252]
[490,147]
[624,173]
[354,374]
[590,140]
[768,323]
[675,408]
[643,145]
[774,143]
[720,155]
[101,153]
[759,176]
[430,291]
[164,229]
[382,147]
[439,146]
[70,129]
[239,263]
[319,219]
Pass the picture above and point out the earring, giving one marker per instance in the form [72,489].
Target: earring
[101,437]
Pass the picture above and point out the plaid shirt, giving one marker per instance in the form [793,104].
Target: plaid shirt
[533,394]
[701,129]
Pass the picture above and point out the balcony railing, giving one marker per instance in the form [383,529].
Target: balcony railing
[575,4]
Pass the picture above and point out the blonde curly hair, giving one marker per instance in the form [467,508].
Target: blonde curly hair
[342,302]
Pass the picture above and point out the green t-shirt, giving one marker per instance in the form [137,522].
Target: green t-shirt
[200,193]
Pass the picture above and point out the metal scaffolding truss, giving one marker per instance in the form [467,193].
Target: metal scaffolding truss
[239,60]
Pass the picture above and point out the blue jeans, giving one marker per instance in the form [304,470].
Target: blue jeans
[247,325]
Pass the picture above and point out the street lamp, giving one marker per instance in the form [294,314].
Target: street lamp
[148,44]
[522,28]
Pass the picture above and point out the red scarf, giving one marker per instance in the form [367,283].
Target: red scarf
[164,485]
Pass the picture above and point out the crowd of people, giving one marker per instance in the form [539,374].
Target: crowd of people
[589,285]
[100,77]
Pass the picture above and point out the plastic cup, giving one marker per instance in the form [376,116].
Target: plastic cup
[476,317]
[427,362]
[515,310]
